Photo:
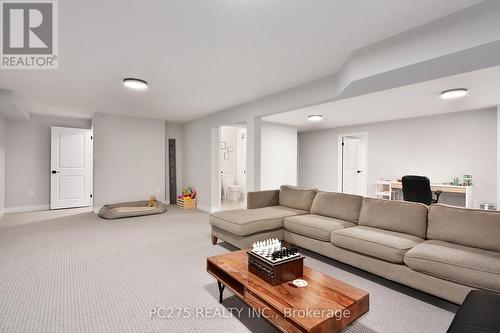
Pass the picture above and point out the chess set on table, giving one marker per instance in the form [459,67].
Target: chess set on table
[273,251]
[275,263]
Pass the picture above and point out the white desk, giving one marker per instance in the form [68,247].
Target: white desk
[468,191]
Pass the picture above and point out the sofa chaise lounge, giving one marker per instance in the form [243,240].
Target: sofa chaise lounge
[442,250]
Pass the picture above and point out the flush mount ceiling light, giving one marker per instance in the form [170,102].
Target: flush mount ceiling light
[315,117]
[454,93]
[134,83]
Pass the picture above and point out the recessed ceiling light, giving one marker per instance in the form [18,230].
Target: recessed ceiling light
[136,84]
[315,117]
[454,93]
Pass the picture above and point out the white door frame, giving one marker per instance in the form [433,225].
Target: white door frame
[215,177]
[215,182]
[241,168]
[340,166]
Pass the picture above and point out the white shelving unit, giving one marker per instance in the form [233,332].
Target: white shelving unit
[383,189]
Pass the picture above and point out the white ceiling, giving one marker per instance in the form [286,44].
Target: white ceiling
[204,56]
[416,100]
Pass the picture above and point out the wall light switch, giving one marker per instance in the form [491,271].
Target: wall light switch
[31,193]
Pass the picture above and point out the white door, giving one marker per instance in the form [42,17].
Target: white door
[71,168]
[353,165]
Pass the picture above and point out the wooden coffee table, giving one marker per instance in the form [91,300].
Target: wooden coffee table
[325,305]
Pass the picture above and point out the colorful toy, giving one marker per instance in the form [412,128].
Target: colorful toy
[188,193]
[187,200]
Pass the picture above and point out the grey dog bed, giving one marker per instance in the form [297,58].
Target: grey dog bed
[131,209]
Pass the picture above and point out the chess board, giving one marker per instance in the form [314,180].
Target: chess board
[273,251]
[267,255]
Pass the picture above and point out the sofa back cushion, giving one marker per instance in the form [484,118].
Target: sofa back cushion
[400,216]
[337,205]
[297,197]
[469,227]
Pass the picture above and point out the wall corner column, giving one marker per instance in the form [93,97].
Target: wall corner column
[254,131]
[498,158]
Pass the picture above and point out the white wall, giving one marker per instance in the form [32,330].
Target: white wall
[278,156]
[173,131]
[498,157]
[2,165]
[129,159]
[440,147]
[27,160]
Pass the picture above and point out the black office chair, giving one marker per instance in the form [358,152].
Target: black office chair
[418,189]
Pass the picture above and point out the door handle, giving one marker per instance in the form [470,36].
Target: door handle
[55,171]
[359,171]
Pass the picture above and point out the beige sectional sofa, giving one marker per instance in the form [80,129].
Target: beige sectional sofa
[442,250]
[264,217]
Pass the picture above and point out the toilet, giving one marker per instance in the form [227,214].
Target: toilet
[230,191]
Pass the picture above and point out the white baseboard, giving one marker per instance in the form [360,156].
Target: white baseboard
[20,209]
[204,208]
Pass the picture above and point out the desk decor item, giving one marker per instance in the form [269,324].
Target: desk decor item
[467,180]
[275,263]
[487,206]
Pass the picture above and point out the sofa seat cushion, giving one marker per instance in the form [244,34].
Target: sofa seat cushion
[466,265]
[383,244]
[244,222]
[315,226]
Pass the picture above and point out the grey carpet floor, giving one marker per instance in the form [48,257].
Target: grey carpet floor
[79,273]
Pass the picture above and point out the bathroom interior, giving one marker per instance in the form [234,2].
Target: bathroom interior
[232,166]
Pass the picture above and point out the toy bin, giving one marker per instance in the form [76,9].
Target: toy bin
[186,203]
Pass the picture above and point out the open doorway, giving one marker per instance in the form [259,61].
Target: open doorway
[352,163]
[232,166]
